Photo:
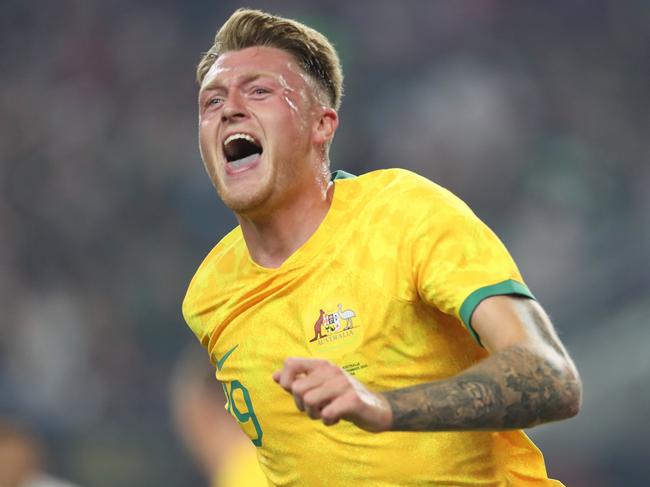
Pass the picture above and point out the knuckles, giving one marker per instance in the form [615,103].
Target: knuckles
[310,400]
[313,413]
[324,391]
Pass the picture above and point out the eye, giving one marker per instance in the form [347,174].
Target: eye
[258,91]
[215,100]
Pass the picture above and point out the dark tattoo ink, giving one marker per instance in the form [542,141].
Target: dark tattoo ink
[513,388]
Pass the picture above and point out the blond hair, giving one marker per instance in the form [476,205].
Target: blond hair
[311,49]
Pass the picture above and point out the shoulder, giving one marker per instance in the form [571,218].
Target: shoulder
[394,177]
[407,192]
[223,252]
[221,259]
[217,268]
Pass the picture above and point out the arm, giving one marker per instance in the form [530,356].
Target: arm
[528,379]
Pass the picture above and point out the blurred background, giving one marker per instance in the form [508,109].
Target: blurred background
[535,113]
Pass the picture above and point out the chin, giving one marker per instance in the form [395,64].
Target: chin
[247,198]
[244,203]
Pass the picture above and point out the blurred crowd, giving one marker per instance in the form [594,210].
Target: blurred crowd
[535,113]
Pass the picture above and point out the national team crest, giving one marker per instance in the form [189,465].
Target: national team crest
[331,326]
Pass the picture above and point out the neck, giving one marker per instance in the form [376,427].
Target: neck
[273,237]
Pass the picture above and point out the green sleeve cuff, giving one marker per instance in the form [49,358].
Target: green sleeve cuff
[499,289]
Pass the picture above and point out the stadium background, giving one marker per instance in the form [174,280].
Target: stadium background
[536,113]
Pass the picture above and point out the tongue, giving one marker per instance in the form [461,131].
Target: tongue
[243,161]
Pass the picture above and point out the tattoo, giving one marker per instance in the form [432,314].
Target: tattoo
[514,388]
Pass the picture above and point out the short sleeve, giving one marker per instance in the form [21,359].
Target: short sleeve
[458,261]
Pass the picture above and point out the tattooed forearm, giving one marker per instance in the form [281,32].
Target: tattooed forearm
[514,388]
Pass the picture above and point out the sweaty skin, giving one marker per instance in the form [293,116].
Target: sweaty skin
[281,197]
[239,96]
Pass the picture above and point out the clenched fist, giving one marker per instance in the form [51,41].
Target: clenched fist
[325,391]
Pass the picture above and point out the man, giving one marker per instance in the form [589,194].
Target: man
[448,354]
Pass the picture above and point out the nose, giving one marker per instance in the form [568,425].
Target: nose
[233,108]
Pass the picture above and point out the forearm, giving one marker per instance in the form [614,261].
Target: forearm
[513,388]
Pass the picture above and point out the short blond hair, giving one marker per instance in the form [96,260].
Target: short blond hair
[311,49]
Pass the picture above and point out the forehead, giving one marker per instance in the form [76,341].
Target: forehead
[251,61]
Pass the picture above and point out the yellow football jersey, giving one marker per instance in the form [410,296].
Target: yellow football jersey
[384,289]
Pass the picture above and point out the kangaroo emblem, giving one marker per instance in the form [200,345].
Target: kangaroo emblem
[318,332]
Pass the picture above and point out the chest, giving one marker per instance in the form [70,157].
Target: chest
[344,314]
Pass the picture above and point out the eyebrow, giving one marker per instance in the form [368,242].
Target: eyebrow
[243,79]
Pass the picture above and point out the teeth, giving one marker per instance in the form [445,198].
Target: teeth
[240,136]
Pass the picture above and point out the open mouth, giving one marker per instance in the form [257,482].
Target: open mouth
[241,149]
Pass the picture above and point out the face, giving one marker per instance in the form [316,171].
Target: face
[259,121]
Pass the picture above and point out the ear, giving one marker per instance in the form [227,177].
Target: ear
[326,126]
